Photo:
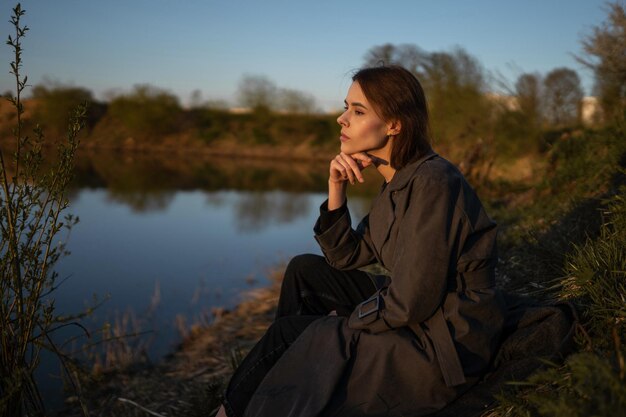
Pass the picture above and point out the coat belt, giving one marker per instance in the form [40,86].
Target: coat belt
[447,355]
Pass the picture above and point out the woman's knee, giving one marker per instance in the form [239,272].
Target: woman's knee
[301,267]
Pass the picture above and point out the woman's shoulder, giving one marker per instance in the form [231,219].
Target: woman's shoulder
[438,170]
[431,169]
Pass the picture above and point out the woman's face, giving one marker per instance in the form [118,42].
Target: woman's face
[362,130]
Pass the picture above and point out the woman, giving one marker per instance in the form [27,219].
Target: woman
[351,343]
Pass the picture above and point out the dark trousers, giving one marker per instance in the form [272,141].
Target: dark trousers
[311,288]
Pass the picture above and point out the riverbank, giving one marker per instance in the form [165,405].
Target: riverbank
[189,381]
[561,238]
[263,135]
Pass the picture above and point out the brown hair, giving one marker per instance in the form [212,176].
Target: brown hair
[396,94]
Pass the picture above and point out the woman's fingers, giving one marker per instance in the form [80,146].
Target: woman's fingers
[362,159]
[348,167]
[338,172]
[344,160]
[342,169]
[353,168]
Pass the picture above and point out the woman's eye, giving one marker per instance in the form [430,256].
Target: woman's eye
[357,112]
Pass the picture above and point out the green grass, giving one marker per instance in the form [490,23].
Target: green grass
[579,257]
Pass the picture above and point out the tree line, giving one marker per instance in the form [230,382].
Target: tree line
[463,112]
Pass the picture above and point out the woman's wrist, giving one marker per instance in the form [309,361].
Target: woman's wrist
[336,194]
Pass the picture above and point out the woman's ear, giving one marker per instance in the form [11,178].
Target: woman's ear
[394,128]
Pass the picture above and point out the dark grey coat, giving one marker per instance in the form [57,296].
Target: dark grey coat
[422,339]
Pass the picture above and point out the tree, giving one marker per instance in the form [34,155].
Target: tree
[562,96]
[257,92]
[605,47]
[381,54]
[295,102]
[56,102]
[195,100]
[454,83]
[456,70]
[528,95]
[147,112]
[262,96]
[407,56]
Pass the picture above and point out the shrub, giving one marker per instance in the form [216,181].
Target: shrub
[148,112]
[56,103]
[31,205]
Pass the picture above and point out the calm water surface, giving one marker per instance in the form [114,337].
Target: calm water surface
[165,239]
[201,250]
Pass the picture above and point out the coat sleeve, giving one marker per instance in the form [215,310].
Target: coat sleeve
[423,259]
[344,247]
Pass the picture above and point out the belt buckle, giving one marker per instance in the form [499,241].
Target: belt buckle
[374,309]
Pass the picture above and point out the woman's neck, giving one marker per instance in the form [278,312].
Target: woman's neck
[386,171]
[382,161]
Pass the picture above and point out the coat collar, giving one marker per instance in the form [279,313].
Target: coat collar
[403,175]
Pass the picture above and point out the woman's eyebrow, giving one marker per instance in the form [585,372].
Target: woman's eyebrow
[355,104]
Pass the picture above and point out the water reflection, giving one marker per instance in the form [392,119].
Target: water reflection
[142,202]
[257,210]
[147,183]
[190,233]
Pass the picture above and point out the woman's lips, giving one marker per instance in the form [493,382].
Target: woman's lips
[343,138]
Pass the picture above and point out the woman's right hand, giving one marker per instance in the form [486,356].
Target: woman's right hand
[346,167]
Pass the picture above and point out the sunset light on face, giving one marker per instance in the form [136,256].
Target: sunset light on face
[362,130]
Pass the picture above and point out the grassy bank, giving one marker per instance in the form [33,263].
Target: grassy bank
[571,245]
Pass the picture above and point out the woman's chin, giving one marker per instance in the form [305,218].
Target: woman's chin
[349,150]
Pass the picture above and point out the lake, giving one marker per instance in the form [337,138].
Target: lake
[165,240]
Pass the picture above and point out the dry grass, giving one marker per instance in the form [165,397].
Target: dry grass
[190,381]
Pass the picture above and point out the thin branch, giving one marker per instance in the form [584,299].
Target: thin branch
[153,413]
[74,383]
[53,329]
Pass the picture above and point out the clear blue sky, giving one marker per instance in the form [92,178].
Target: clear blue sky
[183,45]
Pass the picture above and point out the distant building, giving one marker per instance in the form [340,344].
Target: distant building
[590,111]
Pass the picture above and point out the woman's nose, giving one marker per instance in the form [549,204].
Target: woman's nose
[342,120]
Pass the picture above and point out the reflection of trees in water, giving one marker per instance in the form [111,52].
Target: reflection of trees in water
[258,210]
[216,199]
[148,182]
[140,183]
[143,202]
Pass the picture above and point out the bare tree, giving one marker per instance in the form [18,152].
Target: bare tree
[380,54]
[195,99]
[457,70]
[562,97]
[528,95]
[294,101]
[257,92]
[606,49]
[454,83]
[408,56]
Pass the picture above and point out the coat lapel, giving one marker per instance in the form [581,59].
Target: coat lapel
[402,176]
[382,215]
